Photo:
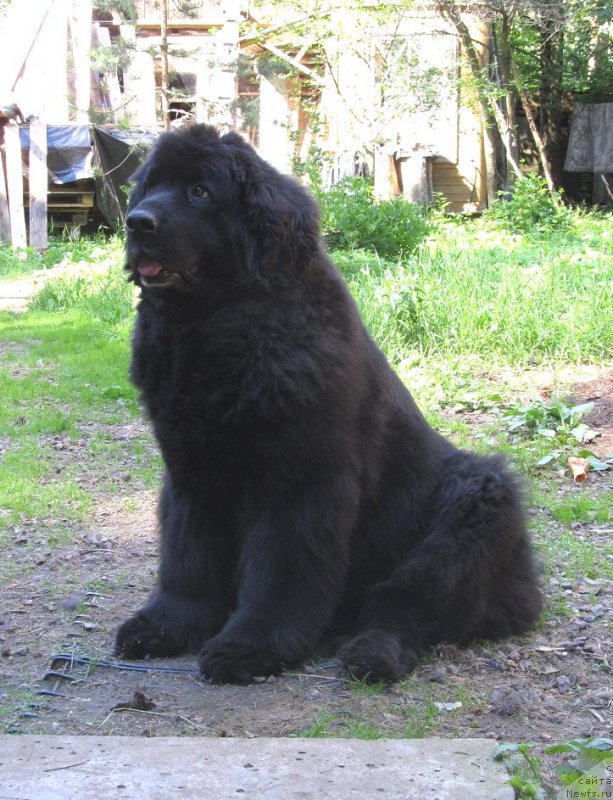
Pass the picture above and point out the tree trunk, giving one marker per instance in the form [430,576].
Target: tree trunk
[164,59]
[551,56]
[510,94]
[538,141]
[490,110]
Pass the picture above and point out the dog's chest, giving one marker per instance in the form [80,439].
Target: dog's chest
[185,374]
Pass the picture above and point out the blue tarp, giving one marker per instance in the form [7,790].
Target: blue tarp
[69,151]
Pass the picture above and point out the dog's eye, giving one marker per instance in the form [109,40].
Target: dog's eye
[200,191]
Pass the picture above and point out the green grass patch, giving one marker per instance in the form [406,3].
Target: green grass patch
[577,558]
[64,382]
[509,297]
[61,250]
[30,486]
[417,720]
[583,508]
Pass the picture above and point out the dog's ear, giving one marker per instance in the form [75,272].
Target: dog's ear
[281,216]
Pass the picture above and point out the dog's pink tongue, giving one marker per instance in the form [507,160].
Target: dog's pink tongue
[149,270]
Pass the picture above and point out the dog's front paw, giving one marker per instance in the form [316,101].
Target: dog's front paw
[140,637]
[237,662]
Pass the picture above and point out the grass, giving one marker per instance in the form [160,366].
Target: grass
[64,383]
[583,508]
[62,250]
[476,289]
[419,719]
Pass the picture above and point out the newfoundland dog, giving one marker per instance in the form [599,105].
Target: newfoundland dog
[305,499]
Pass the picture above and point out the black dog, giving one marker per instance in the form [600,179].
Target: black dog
[305,497]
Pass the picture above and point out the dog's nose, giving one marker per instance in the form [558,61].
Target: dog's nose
[142,221]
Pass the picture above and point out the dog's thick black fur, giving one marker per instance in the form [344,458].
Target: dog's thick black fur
[305,497]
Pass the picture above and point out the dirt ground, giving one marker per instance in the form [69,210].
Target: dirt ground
[58,674]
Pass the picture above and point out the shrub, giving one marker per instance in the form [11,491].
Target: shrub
[530,207]
[351,218]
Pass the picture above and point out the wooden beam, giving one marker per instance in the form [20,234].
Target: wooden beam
[14,180]
[307,44]
[80,27]
[5,218]
[294,62]
[38,183]
[102,37]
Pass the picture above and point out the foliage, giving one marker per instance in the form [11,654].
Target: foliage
[107,58]
[476,288]
[587,66]
[103,292]
[61,249]
[105,296]
[525,770]
[525,765]
[542,51]
[587,755]
[530,207]
[554,420]
[126,8]
[351,218]
[397,80]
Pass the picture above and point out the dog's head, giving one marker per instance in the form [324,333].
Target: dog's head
[207,211]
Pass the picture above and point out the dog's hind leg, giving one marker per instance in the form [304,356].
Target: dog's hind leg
[471,577]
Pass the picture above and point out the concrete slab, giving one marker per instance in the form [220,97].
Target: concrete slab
[113,767]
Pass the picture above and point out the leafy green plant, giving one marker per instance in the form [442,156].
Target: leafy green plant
[525,765]
[555,457]
[586,755]
[525,770]
[352,218]
[554,420]
[530,207]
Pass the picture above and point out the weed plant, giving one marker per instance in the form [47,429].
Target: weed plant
[530,207]
[352,219]
[62,248]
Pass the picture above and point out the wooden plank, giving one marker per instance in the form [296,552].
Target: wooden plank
[5,218]
[80,26]
[73,189]
[14,180]
[38,183]
[69,207]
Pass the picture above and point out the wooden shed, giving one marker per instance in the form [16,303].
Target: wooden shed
[425,137]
